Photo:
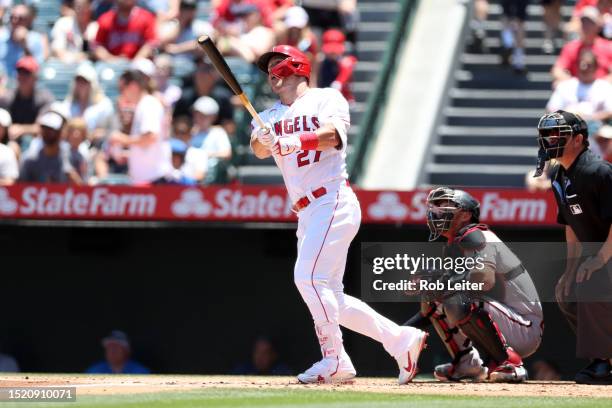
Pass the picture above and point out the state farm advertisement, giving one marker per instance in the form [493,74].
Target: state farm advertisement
[247,203]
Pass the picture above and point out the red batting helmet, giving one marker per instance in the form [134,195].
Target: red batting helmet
[295,62]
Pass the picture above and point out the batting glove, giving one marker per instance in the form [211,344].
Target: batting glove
[266,137]
[287,145]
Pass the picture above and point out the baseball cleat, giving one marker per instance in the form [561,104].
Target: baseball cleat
[408,360]
[329,370]
[508,372]
[458,372]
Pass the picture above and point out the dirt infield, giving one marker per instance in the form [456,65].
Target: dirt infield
[120,384]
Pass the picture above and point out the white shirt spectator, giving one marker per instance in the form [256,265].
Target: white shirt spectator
[196,162]
[9,170]
[66,36]
[97,116]
[150,163]
[197,29]
[212,141]
[585,99]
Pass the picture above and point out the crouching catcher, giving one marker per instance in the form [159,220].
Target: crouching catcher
[503,321]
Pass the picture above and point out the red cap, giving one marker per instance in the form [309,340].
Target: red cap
[28,63]
[333,42]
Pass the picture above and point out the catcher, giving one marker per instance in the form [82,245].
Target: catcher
[504,320]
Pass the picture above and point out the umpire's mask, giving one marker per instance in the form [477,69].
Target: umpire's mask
[554,130]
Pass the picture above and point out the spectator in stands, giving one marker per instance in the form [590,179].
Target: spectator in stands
[205,82]
[255,38]
[337,68]
[27,101]
[51,163]
[5,123]
[585,94]
[297,33]
[279,8]
[227,22]
[568,62]
[195,160]
[513,34]
[117,351]
[87,100]
[17,40]
[163,9]
[477,27]
[212,139]
[76,137]
[169,93]
[603,138]
[9,170]
[264,361]
[177,37]
[342,14]
[113,159]
[73,34]
[189,163]
[99,7]
[573,28]
[545,370]
[126,31]
[149,153]
[552,23]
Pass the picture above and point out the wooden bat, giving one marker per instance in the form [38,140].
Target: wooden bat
[228,76]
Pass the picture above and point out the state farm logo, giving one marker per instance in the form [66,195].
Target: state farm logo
[192,202]
[388,205]
[8,206]
[497,209]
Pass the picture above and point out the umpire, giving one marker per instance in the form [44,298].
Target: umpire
[582,185]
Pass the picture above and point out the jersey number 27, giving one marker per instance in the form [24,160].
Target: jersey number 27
[304,160]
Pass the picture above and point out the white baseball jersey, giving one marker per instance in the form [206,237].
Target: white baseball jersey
[307,170]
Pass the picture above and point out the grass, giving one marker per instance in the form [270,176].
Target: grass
[309,398]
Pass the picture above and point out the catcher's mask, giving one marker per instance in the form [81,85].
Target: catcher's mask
[442,205]
[554,130]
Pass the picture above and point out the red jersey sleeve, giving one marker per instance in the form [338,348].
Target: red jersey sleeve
[346,67]
[150,32]
[568,57]
[105,23]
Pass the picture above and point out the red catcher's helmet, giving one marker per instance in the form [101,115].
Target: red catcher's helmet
[295,63]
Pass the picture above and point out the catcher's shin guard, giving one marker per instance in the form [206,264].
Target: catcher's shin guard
[479,327]
[454,341]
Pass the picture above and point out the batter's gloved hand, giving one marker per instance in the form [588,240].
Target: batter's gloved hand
[265,136]
[286,145]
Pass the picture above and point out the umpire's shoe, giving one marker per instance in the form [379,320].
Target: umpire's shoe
[599,372]
[511,370]
[467,367]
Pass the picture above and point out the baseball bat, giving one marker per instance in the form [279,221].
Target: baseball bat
[228,76]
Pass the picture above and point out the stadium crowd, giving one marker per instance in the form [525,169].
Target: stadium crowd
[151,124]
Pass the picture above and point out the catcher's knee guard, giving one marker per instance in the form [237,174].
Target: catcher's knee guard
[479,327]
[455,342]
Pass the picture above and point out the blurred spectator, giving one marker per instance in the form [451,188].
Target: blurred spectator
[117,351]
[513,34]
[73,34]
[149,153]
[545,370]
[17,40]
[5,123]
[298,34]
[177,37]
[9,170]
[169,92]
[76,135]
[147,68]
[27,101]
[254,39]
[603,138]
[113,159]
[477,27]
[226,21]
[279,8]
[100,7]
[567,63]
[8,364]
[337,68]
[185,170]
[264,361]
[126,31]
[326,14]
[552,23]
[585,95]
[605,9]
[195,160]
[162,9]
[212,139]
[51,163]
[87,100]
[4,6]
[205,82]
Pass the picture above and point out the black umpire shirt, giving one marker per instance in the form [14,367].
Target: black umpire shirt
[584,197]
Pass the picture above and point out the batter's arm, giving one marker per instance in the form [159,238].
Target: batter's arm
[328,137]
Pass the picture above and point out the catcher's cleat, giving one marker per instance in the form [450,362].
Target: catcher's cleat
[511,370]
[329,370]
[467,367]
[407,361]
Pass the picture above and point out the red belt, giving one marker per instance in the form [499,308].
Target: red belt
[305,201]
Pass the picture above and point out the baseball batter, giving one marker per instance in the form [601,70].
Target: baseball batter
[307,137]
